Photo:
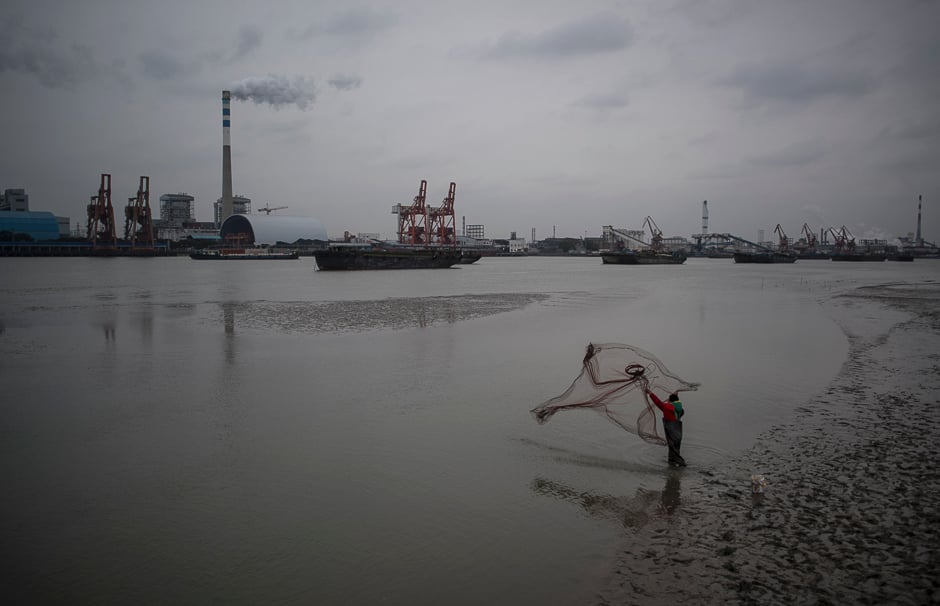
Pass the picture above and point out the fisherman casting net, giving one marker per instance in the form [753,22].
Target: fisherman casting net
[614,380]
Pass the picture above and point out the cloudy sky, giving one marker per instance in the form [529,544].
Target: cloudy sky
[553,115]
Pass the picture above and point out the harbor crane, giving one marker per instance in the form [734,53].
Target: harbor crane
[810,236]
[138,218]
[842,240]
[784,243]
[101,228]
[656,235]
[441,220]
[270,209]
[412,220]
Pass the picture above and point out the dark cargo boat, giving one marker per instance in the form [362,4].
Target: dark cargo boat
[764,256]
[240,254]
[355,257]
[630,257]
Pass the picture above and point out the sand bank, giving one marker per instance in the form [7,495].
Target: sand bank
[851,511]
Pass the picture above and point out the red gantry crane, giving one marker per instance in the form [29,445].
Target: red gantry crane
[412,220]
[138,219]
[441,220]
[101,229]
[783,244]
[810,236]
[843,241]
[656,235]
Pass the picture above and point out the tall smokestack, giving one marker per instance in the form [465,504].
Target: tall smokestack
[918,240]
[227,207]
[705,218]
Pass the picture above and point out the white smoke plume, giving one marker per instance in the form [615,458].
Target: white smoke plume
[276,91]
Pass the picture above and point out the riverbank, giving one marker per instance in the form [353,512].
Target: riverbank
[851,510]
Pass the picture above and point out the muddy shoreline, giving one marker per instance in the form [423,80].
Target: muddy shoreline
[851,512]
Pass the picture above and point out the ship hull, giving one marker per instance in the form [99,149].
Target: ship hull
[857,257]
[632,258]
[350,260]
[741,257]
[222,256]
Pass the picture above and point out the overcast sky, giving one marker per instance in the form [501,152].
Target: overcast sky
[547,114]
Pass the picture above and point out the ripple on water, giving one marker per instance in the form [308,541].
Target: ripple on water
[359,316]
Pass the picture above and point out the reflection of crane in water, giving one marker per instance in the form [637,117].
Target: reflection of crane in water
[270,209]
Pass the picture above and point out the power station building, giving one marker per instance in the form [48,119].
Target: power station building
[240,206]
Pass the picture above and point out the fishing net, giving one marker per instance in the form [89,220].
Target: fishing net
[614,380]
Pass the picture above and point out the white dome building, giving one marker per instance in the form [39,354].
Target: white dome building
[270,229]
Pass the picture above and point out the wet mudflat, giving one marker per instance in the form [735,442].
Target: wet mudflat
[851,513]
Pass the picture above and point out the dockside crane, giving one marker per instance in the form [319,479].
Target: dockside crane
[138,219]
[441,220]
[656,234]
[101,229]
[810,236]
[784,242]
[412,220]
[843,240]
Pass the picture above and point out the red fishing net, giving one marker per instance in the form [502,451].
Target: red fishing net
[614,380]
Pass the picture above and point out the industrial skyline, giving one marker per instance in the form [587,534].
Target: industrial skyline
[555,116]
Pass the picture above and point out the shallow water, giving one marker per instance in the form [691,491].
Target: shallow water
[262,432]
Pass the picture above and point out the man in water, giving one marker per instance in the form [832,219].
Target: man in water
[672,425]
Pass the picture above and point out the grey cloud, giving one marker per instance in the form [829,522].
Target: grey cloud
[355,23]
[249,38]
[797,154]
[597,34]
[913,130]
[340,82]
[25,51]
[602,101]
[793,83]
[276,91]
[160,66]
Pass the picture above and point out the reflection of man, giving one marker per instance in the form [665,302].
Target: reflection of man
[671,493]
[672,425]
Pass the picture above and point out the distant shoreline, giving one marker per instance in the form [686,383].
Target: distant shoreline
[851,512]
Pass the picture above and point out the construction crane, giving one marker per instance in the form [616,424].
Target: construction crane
[270,209]
[784,243]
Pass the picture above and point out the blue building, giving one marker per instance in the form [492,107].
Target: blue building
[40,226]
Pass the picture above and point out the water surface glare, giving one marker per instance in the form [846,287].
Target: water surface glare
[175,430]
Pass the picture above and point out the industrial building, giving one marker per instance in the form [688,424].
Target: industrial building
[240,206]
[14,200]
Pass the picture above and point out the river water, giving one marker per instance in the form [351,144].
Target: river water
[261,432]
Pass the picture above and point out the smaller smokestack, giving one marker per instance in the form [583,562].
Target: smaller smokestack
[918,240]
[228,207]
[705,218]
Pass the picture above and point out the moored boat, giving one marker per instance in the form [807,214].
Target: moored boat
[228,254]
[631,257]
[858,256]
[356,257]
[764,256]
